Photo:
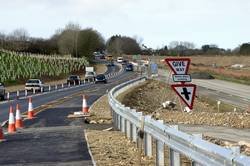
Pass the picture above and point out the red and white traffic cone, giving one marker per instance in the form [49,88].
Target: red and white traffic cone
[1,134]
[19,121]
[30,109]
[11,126]
[85,108]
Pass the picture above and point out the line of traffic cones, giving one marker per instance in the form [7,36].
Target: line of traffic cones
[16,122]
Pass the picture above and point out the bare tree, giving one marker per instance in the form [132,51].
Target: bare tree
[20,34]
[67,41]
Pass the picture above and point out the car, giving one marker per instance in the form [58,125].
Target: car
[124,62]
[2,91]
[90,75]
[34,84]
[74,79]
[129,67]
[109,57]
[111,63]
[100,78]
[102,57]
[119,59]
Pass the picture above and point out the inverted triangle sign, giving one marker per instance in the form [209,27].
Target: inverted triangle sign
[186,92]
[178,65]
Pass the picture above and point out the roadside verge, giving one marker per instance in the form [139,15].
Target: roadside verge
[110,147]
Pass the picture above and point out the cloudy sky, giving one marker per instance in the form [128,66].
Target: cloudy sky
[156,22]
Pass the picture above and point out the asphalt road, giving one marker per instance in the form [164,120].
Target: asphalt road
[53,139]
[44,98]
[234,94]
[21,93]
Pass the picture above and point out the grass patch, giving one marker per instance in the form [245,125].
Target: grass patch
[242,80]
[223,107]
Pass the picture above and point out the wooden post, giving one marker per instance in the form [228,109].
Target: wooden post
[140,142]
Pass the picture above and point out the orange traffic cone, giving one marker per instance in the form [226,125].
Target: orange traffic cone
[11,126]
[30,109]
[1,134]
[85,108]
[19,121]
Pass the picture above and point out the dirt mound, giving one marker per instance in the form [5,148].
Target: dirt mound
[148,98]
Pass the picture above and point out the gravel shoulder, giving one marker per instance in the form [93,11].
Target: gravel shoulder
[110,147]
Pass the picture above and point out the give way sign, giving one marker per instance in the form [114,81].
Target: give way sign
[186,92]
[178,65]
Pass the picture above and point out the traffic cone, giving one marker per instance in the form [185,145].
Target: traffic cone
[19,121]
[85,108]
[11,126]
[30,109]
[1,134]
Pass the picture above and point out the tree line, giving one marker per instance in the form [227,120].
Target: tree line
[70,40]
[179,48]
[77,42]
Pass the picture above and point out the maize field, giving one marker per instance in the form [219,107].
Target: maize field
[15,66]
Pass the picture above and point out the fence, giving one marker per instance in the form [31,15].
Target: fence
[201,152]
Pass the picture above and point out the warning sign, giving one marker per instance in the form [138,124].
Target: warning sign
[178,65]
[186,92]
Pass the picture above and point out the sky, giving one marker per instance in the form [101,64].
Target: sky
[154,23]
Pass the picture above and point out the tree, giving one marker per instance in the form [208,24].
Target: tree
[245,49]
[67,41]
[118,45]
[20,34]
[89,41]
[181,48]
[205,48]
[114,45]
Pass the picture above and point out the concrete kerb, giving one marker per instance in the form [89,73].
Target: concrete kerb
[90,108]
[90,153]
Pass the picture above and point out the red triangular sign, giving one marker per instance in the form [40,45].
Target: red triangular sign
[186,92]
[178,65]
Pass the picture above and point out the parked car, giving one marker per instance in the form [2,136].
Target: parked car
[111,63]
[119,59]
[129,67]
[90,75]
[34,84]
[2,91]
[100,78]
[74,79]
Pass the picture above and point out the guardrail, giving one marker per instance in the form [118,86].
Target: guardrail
[201,152]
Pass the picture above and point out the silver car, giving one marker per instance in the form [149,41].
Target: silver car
[34,84]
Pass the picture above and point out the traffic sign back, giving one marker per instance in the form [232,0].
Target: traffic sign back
[186,92]
[178,65]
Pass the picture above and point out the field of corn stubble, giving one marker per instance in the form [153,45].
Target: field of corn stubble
[15,66]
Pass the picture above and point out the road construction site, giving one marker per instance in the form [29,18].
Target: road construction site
[54,139]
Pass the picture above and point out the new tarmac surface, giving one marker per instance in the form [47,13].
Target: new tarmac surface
[53,139]
[43,98]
